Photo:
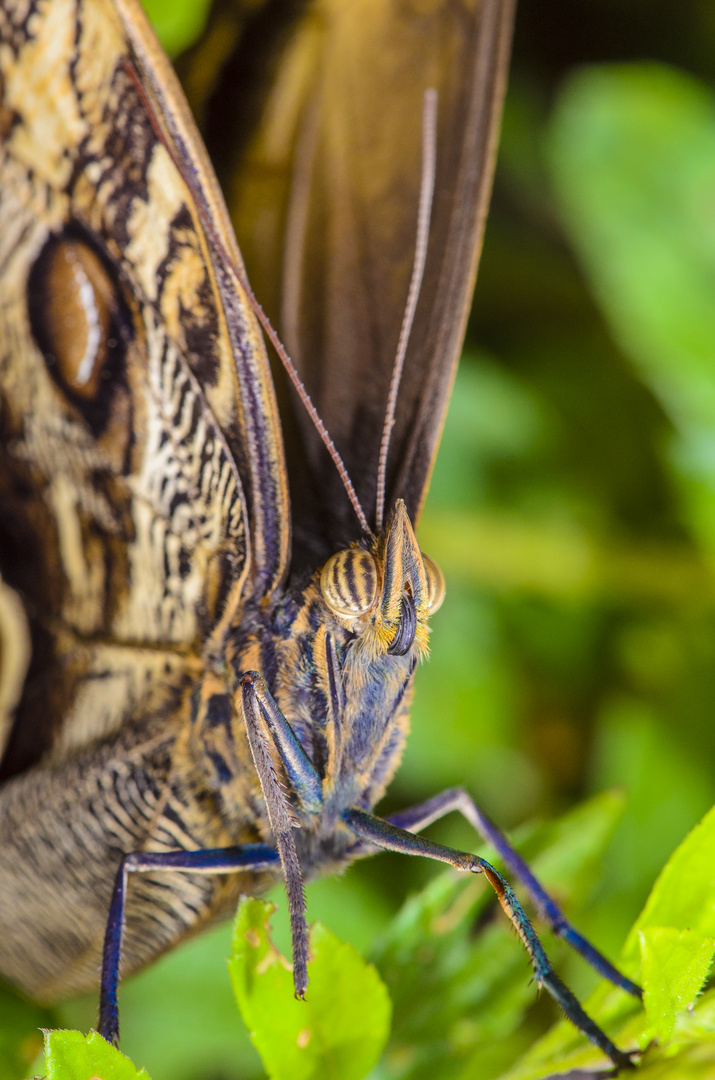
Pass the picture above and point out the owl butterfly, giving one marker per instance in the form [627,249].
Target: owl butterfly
[206,683]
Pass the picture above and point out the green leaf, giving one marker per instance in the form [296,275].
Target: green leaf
[674,937]
[337,1033]
[675,966]
[178,23]
[683,897]
[70,1055]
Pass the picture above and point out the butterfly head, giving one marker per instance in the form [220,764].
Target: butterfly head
[385,593]
[362,627]
[338,660]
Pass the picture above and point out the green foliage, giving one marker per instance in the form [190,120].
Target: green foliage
[178,23]
[672,963]
[675,964]
[684,894]
[20,1036]
[633,157]
[69,1055]
[633,152]
[461,997]
[340,1029]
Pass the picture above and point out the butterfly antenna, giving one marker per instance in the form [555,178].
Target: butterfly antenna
[239,279]
[304,396]
[429,161]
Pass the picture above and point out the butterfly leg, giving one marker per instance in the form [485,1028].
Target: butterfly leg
[211,861]
[260,711]
[259,705]
[419,817]
[385,834]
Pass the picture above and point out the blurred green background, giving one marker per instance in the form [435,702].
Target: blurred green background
[572,508]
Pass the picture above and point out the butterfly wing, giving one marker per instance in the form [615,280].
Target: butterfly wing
[139,439]
[143,500]
[339,154]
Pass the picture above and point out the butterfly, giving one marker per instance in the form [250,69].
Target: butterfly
[216,630]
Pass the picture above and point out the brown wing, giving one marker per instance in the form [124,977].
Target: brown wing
[139,447]
[343,122]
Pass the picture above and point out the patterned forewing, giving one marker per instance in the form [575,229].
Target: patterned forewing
[122,514]
[130,427]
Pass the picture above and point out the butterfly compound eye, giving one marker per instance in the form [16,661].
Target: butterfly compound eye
[435,584]
[349,582]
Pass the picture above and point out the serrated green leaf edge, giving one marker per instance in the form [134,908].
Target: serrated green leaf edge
[70,1055]
[675,964]
[684,892]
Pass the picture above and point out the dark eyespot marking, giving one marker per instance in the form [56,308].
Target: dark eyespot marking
[80,322]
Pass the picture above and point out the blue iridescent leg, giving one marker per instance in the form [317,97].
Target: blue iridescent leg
[304,780]
[419,817]
[211,861]
[260,711]
[385,834]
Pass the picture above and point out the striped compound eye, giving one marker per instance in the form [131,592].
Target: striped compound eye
[435,584]
[349,582]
